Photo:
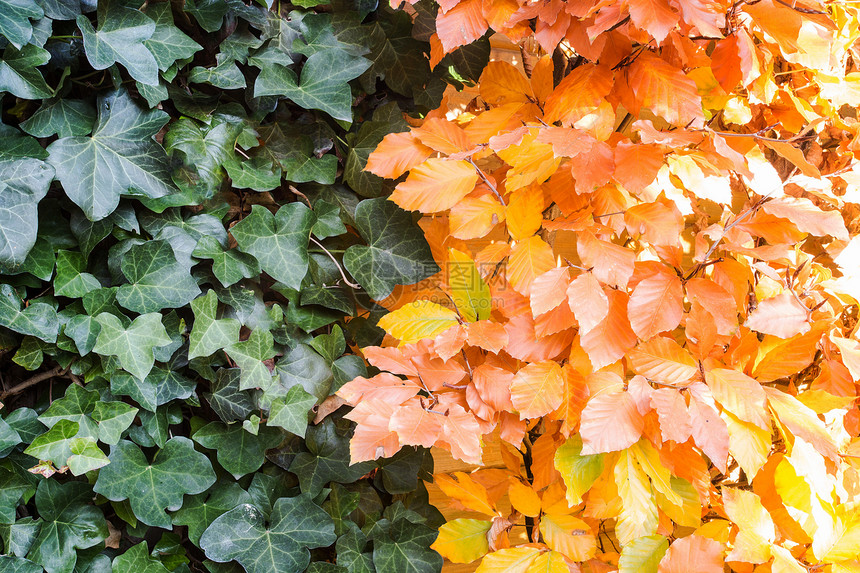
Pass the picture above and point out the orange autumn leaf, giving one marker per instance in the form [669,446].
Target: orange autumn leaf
[675,422]
[717,301]
[435,185]
[662,359]
[502,83]
[549,290]
[465,490]
[588,302]
[415,425]
[693,553]
[654,16]
[474,217]
[372,438]
[656,305]
[610,422]
[443,136]
[397,154]
[782,316]
[383,385]
[637,165]
[537,389]
[659,223]
[529,259]
[461,25]
[657,85]
[524,213]
[491,336]
[739,394]
[524,498]
[612,337]
[578,94]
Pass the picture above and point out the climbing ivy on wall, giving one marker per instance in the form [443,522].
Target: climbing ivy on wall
[189,249]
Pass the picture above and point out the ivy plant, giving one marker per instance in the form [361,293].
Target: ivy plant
[189,249]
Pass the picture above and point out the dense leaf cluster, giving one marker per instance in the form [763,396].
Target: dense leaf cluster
[189,247]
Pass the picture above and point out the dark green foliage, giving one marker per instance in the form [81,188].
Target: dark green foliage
[189,248]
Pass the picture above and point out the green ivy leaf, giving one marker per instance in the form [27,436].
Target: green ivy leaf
[159,387]
[86,456]
[396,251]
[120,158]
[156,279]
[15,18]
[323,84]
[201,510]
[238,451]
[120,38]
[70,523]
[167,43]
[208,334]
[113,418]
[71,281]
[291,411]
[18,73]
[55,445]
[63,117]
[295,525]
[229,403]
[327,459]
[77,405]
[138,559]
[229,266]
[406,547]
[205,147]
[225,75]
[12,487]
[133,345]
[249,356]
[352,552]
[10,564]
[398,58]
[176,470]
[279,242]
[23,183]
[38,319]
[301,366]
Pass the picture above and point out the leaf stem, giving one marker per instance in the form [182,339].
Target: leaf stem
[334,260]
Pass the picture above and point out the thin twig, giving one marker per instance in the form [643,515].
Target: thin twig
[726,229]
[607,214]
[337,264]
[32,381]
[801,10]
[487,181]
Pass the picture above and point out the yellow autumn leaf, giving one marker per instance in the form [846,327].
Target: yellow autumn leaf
[568,535]
[756,528]
[524,498]
[549,562]
[470,293]
[661,477]
[639,511]
[643,554]
[688,513]
[463,540]
[512,560]
[418,320]
[578,471]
